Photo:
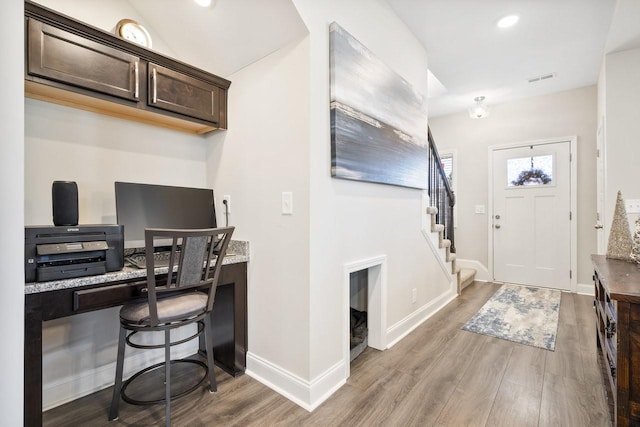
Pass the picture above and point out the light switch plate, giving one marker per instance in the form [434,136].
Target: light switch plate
[632,206]
[480,209]
[287,203]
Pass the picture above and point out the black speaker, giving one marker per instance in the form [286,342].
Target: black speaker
[64,195]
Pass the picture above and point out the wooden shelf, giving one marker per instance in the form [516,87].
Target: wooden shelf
[64,97]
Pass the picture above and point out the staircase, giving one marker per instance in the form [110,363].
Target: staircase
[464,276]
[442,201]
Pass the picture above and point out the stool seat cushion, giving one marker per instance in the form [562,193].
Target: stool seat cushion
[180,307]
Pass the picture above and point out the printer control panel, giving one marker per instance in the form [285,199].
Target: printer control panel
[63,248]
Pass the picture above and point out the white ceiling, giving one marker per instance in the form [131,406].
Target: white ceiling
[471,56]
[225,37]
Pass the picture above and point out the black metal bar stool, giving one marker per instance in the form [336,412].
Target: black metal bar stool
[186,298]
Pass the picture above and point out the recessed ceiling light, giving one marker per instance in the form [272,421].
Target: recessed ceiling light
[203,3]
[508,21]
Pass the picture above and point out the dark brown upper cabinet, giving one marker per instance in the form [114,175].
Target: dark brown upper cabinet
[67,58]
[177,92]
[71,63]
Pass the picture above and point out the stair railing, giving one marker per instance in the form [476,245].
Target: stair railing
[440,193]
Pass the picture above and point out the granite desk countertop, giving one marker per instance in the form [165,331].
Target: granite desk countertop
[237,252]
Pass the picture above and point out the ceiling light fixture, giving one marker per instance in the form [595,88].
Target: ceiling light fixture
[203,3]
[479,110]
[508,21]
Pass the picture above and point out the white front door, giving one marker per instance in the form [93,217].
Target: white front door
[531,215]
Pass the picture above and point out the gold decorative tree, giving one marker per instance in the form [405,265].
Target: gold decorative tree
[620,244]
[635,248]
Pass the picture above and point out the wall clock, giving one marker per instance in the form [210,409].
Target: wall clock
[134,32]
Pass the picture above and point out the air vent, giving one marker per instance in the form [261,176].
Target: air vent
[542,77]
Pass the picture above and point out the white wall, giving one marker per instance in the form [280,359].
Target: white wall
[11,212]
[351,221]
[265,152]
[621,110]
[63,143]
[568,113]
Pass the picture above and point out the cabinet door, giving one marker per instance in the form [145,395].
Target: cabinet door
[173,91]
[59,55]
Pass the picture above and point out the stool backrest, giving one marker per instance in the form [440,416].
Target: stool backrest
[194,263]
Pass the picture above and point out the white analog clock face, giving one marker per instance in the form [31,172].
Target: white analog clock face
[134,32]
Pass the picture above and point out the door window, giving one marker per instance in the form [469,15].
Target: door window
[530,171]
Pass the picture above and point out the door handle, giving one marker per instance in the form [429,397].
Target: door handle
[497,226]
[597,226]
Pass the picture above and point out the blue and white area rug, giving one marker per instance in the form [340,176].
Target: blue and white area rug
[522,314]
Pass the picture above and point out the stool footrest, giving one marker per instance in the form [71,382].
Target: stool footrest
[147,370]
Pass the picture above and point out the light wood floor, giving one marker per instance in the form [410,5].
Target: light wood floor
[439,376]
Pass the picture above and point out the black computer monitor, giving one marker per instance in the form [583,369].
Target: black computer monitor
[140,206]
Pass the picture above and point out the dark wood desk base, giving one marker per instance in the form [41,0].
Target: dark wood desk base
[229,322]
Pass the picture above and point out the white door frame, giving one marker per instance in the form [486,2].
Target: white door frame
[601,187]
[573,144]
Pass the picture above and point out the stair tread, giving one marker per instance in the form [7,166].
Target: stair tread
[466,274]
[466,277]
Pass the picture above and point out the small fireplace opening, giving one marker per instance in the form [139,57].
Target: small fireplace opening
[364,301]
[359,292]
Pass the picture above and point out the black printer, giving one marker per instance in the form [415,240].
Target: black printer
[65,252]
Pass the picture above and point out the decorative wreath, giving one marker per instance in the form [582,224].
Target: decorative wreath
[532,176]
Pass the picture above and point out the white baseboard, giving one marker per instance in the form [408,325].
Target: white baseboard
[89,381]
[405,326]
[584,289]
[482,272]
[306,394]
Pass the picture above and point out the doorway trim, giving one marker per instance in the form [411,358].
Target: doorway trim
[573,226]
[377,305]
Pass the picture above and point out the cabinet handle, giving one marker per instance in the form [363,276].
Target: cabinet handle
[136,74]
[154,78]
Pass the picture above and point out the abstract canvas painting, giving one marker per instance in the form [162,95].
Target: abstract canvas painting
[378,120]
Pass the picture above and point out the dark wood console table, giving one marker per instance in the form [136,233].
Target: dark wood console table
[617,303]
[229,322]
